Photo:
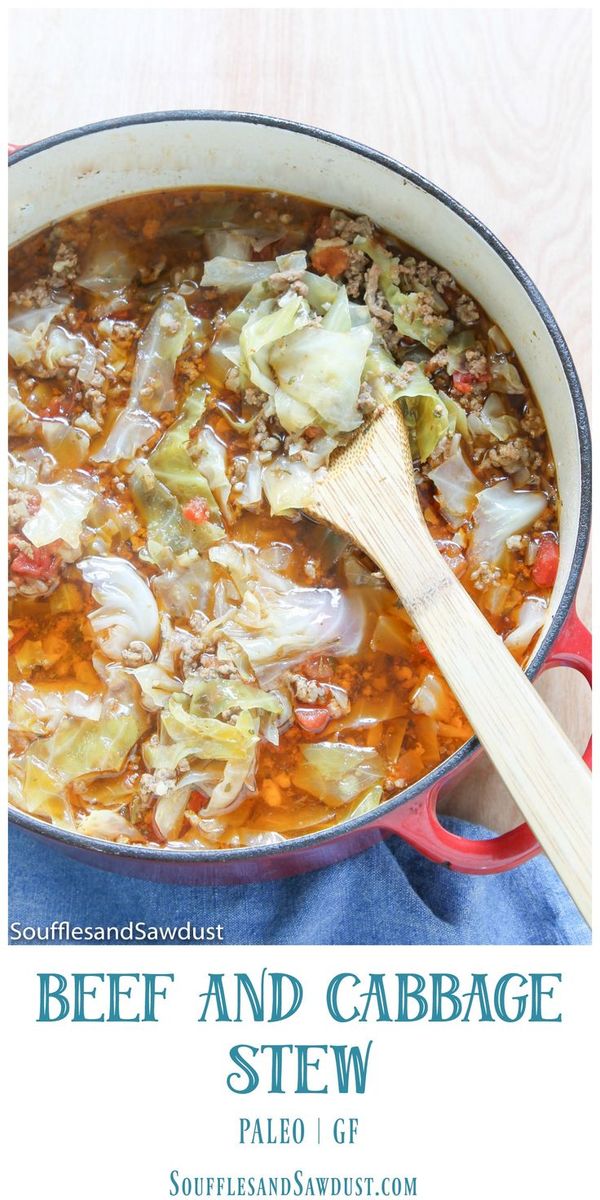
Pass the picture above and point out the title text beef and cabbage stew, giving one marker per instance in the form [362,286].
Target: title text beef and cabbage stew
[193,661]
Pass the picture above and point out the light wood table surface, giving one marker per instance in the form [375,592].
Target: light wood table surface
[492,105]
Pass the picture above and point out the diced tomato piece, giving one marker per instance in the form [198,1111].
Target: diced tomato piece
[312,720]
[330,260]
[40,564]
[196,510]
[463,382]
[545,565]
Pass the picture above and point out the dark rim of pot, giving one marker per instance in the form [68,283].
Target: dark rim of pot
[460,756]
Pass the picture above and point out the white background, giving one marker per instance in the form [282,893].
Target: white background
[473,1110]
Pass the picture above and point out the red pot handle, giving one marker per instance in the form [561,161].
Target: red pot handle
[573,648]
[417,823]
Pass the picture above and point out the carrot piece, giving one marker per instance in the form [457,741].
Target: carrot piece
[330,260]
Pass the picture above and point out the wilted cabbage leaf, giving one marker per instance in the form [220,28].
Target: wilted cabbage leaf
[337,773]
[500,513]
[166,527]
[128,611]
[171,461]
[108,269]
[287,484]
[152,385]
[131,430]
[418,315]
[318,372]
[63,509]
[455,483]
[280,629]
[27,330]
[78,748]
[532,615]
[233,274]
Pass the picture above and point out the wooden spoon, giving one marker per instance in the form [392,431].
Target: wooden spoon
[369,493]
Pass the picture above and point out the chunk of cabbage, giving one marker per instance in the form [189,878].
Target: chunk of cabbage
[237,776]
[169,533]
[67,444]
[39,710]
[228,243]
[264,328]
[457,344]
[212,697]
[131,430]
[103,823]
[128,611]
[500,513]
[337,317]
[186,736]
[432,698]
[251,493]
[27,330]
[184,589]
[287,484]
[318,373]
[210,457]
[172,463]
[505,377]
[152,385]
[455,483]
[337,773]
[79,748]
[62,511]
[234,274]
[246,565]
[532,615]
[156,684]
[278,630]
[425,412]
[497,419]
[429,415]
[108,269]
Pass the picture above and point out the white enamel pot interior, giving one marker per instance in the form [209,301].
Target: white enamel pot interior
[85,167]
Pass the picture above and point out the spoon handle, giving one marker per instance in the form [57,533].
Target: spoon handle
[542,770]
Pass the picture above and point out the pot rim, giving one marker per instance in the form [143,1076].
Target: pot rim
[460,756]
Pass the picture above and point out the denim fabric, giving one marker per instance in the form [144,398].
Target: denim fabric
[389,895]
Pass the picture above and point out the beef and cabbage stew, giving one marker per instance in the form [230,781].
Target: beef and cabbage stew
[192,660]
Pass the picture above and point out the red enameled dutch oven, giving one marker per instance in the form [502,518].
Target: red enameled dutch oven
[84,167]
